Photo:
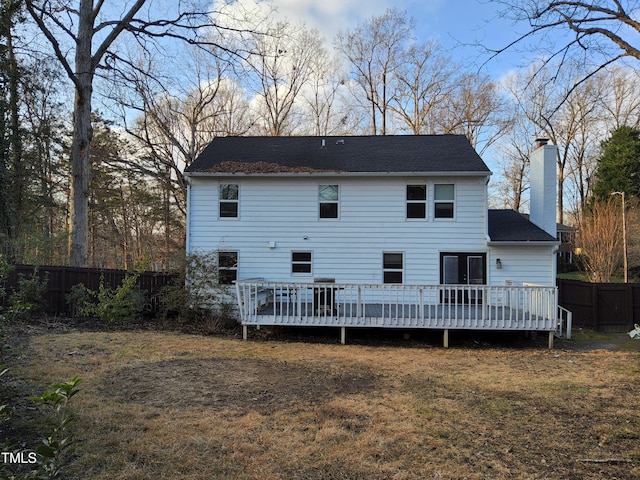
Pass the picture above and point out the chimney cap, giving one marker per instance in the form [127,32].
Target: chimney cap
[541,141]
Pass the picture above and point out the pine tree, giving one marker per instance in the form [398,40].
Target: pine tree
[619,165]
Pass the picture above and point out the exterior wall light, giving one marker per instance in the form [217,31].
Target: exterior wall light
[498,264]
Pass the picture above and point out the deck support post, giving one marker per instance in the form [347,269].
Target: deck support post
[446,338]
[551,332]
[343,335]
[244,332]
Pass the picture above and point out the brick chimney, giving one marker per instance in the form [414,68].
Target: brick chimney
[543,191]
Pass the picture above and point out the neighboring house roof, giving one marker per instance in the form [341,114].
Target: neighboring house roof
[435,154]
[510,226]
[560,227]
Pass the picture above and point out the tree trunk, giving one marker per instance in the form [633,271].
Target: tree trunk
[80,168]
[16,141]
[82,135]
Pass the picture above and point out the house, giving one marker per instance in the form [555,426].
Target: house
[373,231]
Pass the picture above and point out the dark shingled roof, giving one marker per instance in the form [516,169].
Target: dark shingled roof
[365,154]
[511,226]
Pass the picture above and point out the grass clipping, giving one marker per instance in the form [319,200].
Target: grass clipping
[162,405]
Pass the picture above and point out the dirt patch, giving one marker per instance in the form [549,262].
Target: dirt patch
[237,384]
[589,341]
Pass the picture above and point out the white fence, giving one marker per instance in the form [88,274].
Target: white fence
[462,307]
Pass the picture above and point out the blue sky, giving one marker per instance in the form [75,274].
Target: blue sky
[456,24]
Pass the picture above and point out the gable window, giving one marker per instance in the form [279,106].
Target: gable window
[301,262]
[392,267]
[228,200]
[227,267]
[416,201]
[328,197]
[444,201]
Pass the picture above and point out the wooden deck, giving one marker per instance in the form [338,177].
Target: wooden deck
[445,307]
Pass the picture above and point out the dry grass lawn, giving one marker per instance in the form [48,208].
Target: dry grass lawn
[168,405]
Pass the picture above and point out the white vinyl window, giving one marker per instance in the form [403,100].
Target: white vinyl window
[229,200]
[416,201]
[328,197]
[301,263]
[444,201]
[392,267]
[227,267]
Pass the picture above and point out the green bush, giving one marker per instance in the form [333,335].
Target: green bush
[126,303]
[51,455]
[27,302]
[54,448]
[79,298]
[196,297]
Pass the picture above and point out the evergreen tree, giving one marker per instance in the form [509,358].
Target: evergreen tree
[10,141]
[619,165]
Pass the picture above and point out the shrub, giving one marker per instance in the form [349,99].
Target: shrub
[78,298]
[28,301]
[196,296]
[5,269]
[125,303]
[61,440]
[50,455]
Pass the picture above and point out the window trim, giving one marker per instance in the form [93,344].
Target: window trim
[233,268]
[302,262]
[235,201]
[452,202]
[416,202]
[393,270]
[329,202]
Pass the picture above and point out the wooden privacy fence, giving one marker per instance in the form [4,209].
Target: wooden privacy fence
[62,279]
[607,307]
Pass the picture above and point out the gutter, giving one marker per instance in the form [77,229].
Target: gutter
[521,243]
[321,173]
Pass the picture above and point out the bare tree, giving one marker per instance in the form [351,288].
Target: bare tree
[516,151]
[474,108]
[598,32]
[326,112]
[620,99]
[178,118]
[537,100]
[278,73]
[600,239]
[424,82]
[83,35]
[375,49]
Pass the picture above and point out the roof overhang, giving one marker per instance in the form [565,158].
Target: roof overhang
[524,243]
[338,174]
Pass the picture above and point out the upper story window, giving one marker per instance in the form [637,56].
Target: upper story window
[328,196]
[229,200]
[227,267]
[416,201]
[444,201]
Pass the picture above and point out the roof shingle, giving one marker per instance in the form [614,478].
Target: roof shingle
[511,226]
[360,154]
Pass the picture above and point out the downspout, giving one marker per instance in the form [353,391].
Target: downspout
[188,219]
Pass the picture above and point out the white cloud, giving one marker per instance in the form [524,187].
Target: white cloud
[328,16]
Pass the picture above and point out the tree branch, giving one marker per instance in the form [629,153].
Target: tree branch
[52,40]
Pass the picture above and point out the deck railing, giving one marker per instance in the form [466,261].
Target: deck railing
[482,307]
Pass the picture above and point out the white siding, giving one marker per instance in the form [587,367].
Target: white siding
[372,220]
[522,264]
